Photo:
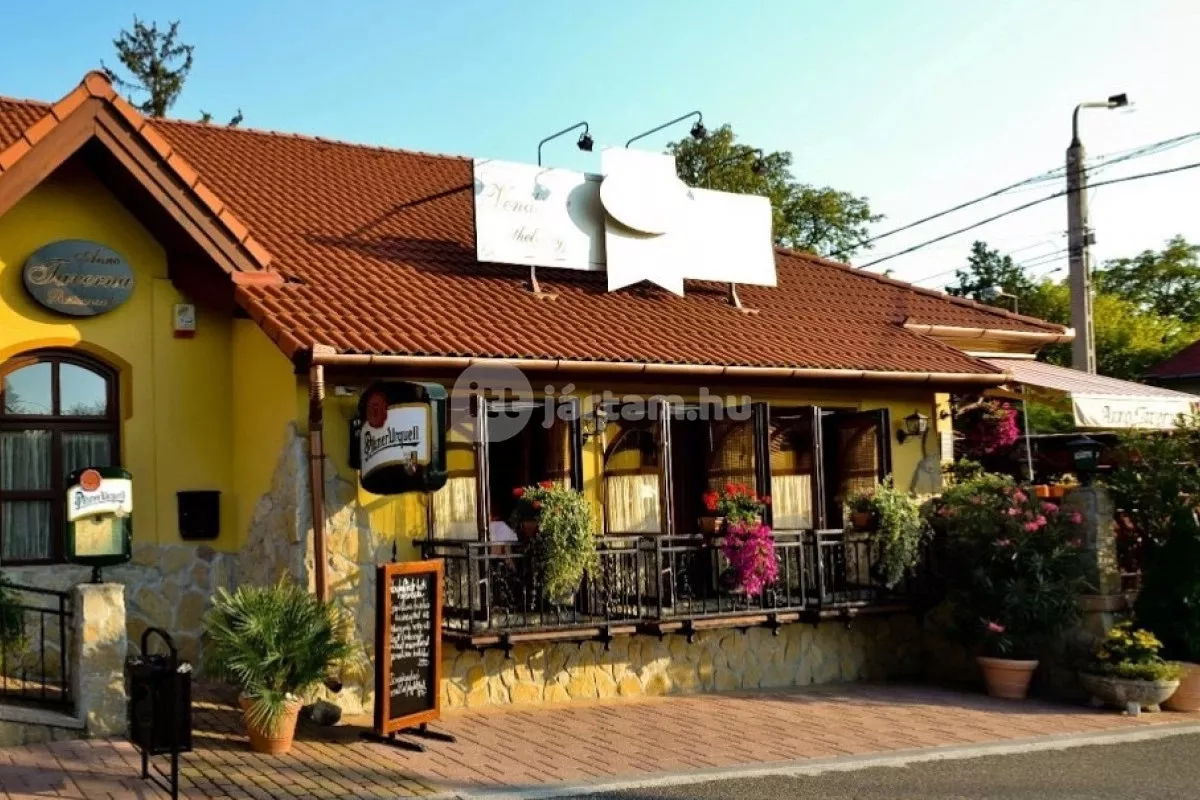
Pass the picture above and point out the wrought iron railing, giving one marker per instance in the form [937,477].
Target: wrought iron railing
[492,588]
[35,629]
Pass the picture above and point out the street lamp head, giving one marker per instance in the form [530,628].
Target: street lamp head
[585,142]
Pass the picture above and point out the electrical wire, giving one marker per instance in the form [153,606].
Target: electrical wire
[1024,206]
[1058,173]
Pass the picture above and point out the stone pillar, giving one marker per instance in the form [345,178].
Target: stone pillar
[1099,539]
[98,648]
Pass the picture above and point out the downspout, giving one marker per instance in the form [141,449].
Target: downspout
[316,474]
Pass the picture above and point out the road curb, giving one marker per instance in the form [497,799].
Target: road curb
[818,766]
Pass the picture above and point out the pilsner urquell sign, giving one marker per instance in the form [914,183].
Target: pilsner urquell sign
[78,278]
[400,437]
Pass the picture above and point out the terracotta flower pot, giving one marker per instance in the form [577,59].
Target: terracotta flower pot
[1187,696]
[529,528]
[278,741]
[1042,491]
[1058,492]
[711,526]
[1006,677]
[861,520]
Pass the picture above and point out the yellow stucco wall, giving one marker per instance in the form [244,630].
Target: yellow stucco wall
[195,417]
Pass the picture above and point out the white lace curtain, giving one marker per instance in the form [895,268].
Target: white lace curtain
[25,466]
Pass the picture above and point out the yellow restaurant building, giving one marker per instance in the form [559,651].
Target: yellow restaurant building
[203,305]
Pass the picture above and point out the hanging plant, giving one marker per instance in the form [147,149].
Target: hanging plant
[898,529]
[988,428]
[750,549]
[564,547]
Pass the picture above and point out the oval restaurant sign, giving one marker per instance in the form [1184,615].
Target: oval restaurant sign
[401,437]
[78,278]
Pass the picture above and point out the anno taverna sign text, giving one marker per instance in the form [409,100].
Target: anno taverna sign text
[78,278]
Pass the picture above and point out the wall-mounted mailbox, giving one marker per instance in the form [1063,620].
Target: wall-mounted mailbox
[199,514]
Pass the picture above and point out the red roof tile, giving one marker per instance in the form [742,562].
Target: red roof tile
[377,251]
[1184,364]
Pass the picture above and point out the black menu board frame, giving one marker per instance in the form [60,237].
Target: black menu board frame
[386,574]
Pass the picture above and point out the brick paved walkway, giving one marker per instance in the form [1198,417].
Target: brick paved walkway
[506,749]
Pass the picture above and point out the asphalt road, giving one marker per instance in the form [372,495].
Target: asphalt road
[1161,769]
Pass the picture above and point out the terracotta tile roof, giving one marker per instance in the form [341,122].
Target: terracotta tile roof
[16,142]
[1184,364]
[376,247]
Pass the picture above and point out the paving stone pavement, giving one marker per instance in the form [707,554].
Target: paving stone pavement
[508,749]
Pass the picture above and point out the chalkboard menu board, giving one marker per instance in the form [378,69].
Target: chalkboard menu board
[408,645]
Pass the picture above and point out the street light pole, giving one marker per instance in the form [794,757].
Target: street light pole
[1079,240]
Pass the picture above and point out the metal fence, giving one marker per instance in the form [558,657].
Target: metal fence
[35,630]
[493,588]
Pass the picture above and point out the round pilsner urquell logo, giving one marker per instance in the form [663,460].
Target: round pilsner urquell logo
[78,278]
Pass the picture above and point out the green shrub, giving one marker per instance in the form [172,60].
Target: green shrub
[564,548]
[12,623]
[900,531]
[277,642]
[1012,569]
[1169,601]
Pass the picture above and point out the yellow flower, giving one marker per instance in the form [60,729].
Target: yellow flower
[1102,654]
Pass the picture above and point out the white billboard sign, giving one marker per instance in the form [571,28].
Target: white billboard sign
[638,222]
[542,217]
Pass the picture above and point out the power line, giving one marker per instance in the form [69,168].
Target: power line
[1102,162]
[1024,206]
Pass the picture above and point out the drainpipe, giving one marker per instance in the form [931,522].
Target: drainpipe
[316,473]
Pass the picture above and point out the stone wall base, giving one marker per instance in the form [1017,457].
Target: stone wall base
[20,725]
[722,660]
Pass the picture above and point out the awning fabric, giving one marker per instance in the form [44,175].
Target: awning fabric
[1099,401]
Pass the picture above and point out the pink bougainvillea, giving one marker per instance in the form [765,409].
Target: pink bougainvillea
[750,549]
[989,428]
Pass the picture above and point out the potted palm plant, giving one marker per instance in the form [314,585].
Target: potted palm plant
[564,547]
[1013,575]
[277,642]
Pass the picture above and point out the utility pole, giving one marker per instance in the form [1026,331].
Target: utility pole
[1079,240]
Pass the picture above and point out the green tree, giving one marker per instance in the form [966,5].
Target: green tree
[821,220]
[158,63]
[1131,336]
[1166,281]
[988,270]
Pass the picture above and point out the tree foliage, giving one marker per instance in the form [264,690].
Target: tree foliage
[1132,333]
[157,61]
[819,219]
[1166,282]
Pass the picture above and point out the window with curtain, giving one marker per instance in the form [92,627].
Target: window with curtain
[631,480]
[58,413]
[791,441]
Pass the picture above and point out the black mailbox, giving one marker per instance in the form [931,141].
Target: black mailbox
[199,514]
[160,699]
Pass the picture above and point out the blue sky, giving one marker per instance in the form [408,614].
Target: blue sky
[916,104]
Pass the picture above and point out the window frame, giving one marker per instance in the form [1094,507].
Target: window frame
[109,424]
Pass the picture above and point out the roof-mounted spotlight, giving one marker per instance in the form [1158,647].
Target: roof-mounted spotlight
[584,143]
[698,130]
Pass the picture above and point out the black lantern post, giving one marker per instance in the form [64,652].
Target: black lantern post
[1085,452]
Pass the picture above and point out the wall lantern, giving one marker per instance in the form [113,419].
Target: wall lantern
[1086,453]
[594,424]
[99,517]
[915,424]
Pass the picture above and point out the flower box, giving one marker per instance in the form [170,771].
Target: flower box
[1133,696]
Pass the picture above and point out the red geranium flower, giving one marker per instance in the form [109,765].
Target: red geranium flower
[547,484]
[518,492]
[710,501]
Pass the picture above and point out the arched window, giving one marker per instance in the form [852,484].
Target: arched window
[58,413]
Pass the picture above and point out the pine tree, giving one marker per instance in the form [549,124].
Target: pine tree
[158,63]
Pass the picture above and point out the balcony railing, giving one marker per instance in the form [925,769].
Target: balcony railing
[658,584]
